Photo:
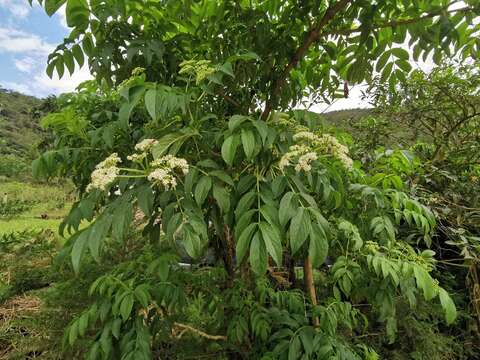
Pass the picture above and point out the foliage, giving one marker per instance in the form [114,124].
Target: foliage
[10,208]
[182,138]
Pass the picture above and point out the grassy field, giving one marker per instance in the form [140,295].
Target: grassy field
[42,206]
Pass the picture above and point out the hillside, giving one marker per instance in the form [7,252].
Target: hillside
[19,129]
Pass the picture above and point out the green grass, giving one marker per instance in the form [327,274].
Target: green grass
[51,202]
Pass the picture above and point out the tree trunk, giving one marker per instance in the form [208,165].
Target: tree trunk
[310,287]
[229,253]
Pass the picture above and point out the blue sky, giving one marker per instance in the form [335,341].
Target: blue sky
[27,36]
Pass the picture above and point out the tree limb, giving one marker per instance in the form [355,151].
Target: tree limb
[312,36]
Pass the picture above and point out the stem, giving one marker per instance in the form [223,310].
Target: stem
[310,287]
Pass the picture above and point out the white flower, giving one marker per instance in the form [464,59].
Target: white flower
[102,177]
[305,135]
[110,161]
[162,177]
[146,145]
[304,162]
[105,173]
[137,157]
[171,162]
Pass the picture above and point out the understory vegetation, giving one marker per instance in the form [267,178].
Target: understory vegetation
[214,217]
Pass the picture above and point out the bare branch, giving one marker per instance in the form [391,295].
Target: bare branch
[185,327]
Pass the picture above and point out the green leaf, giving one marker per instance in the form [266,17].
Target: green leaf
[68,60]
[97,234]
[286,210]
[87,45]
[248,141]
[222,175]
[222,196]
[165,143]
[192,242]
[318,249]
[258,254]
[126,306]
[424,282]
[448,306]
[78,55]
[78,249]
[229,148]
[245,203]
[273,241]
[202,189]
[145,199]
[151,103]
[51,6]
[50,68]
[382,61]
[400,53]
[262,129]
[236,120]
[300,228]
[404,65]
[243,241]
[77,13]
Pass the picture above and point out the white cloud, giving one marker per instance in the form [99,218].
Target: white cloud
[40,85]
[26,64]
[43,85]
[21,88]
[18,8]
[16,41]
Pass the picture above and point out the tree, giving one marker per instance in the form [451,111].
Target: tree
[188,98]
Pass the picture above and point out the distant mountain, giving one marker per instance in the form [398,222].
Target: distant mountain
[20,131]
[346,117]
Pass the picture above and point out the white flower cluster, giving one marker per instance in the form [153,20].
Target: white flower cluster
[143,148]
[305,135]
[163,177]
[105,173]
[311,145]
[331,145]
[137,157]
[304,162]
[146,145]
[295,152]
[165,170]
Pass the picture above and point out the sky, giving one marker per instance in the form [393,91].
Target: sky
[27,36]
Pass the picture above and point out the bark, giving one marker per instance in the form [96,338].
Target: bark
[229,253]
[310,287]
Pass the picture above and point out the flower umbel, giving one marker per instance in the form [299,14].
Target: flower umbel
[308,148]
[165,170]
[105,173]
[146,145]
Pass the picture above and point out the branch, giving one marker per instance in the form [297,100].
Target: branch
[312,36]
[198,332]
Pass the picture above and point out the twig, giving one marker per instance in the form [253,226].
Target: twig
[198,332]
